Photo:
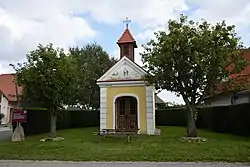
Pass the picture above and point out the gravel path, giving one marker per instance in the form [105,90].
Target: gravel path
[113,164]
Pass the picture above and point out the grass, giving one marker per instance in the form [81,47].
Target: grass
[82,145]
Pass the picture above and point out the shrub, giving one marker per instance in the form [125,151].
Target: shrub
[226,119]
[170,117]
[38,121]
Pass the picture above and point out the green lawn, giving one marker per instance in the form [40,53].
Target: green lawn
[82,145]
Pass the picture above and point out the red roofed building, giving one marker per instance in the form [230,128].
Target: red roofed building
[8,98]
[229,94]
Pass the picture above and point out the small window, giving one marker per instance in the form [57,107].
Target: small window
[126,50]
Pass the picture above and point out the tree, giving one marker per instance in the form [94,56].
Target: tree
[46,77]
[190,59]
[90,63]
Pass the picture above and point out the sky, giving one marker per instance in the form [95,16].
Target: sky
[26,23]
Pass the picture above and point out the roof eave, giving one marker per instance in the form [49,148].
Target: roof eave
[127,42]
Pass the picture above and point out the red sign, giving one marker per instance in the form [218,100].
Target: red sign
[19,116]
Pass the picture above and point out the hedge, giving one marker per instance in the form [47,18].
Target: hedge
[227,119]
[170,117]
[85,118]
[38,121]
[224,119]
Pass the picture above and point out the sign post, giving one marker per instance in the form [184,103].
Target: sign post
[19,116]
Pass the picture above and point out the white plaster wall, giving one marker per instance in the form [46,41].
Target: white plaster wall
[153,91]
[241,100]
[150,107]
[225,100]
[4,108]
[103,108]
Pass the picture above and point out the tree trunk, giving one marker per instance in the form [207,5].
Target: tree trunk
[191,128]
[53,118]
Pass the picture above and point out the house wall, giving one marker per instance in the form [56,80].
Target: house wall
[5,109]
[240,99]
[12,104]
[226,100]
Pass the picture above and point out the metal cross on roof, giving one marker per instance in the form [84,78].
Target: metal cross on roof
[126,21]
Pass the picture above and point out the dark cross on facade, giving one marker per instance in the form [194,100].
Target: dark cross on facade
[126,21]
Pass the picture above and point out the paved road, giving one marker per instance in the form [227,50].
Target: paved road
[5,133]
[113,164]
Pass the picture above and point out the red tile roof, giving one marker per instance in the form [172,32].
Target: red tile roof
[8,88]
[126,37]
[241,79]
[246,70]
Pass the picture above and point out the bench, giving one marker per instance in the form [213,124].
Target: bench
[119,132]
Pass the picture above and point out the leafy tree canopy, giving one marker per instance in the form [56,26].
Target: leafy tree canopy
[90,63]
[46,77]
[190,58]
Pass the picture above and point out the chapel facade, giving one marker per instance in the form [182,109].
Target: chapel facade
[126,102]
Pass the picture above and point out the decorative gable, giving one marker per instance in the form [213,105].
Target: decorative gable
[123,70]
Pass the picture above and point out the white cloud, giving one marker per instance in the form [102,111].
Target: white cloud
[152,16]
[144,12]
[4,68]
[148,33]
[233,12]
[26,23]
[170,97]
[149,15]
[230,10]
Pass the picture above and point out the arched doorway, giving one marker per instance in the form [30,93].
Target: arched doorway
[126,113]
